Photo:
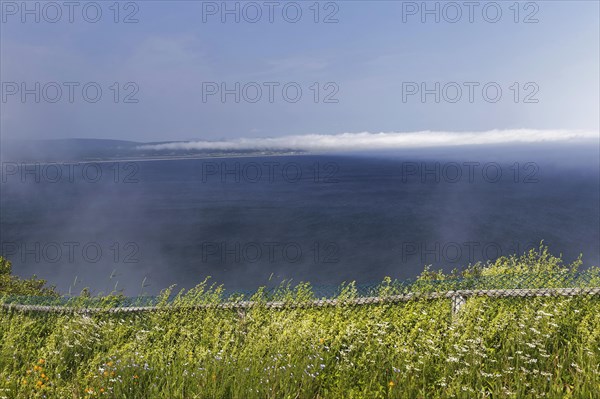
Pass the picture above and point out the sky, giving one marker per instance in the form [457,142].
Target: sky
[187,70]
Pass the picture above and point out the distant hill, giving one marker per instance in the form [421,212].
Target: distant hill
[63,150]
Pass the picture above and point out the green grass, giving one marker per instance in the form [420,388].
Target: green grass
[501,348]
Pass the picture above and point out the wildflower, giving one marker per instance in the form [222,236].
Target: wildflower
[391,384]
[321,341]
[41,361]
[24,382]
[135,376]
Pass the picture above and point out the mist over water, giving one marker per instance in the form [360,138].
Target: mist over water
[319,218]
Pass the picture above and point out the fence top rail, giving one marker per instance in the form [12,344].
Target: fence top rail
[369,300]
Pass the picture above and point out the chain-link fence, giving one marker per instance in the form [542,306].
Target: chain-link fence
[564,283]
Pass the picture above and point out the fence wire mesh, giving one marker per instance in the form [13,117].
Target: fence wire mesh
[551,284]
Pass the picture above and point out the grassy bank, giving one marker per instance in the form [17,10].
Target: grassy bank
[494,347]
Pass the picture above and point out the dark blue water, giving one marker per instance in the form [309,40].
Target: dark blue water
[324,219]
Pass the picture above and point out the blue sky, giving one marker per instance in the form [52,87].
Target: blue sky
[368,58]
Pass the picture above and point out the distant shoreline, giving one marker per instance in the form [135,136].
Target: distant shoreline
[163,158]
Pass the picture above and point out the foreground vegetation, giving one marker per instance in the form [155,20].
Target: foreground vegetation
[494,347]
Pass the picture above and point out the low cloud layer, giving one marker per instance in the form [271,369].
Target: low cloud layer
[381,141]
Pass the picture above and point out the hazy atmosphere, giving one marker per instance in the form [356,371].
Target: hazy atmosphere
[198,70]
[307,199]
[149,144]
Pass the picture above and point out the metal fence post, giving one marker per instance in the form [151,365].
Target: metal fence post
[457,302]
